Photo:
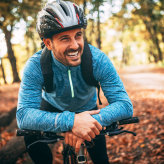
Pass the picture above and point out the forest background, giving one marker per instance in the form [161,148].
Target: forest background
[130,32]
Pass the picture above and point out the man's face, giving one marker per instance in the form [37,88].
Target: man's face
[67,47]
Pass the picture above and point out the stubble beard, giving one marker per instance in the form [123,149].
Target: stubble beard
[66,62]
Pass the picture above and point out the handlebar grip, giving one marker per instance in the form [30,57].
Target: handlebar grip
[20,132]
[128,121]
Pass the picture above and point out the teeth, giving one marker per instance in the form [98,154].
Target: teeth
[73,54]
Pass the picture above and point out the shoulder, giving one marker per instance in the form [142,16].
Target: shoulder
[101,63]
[32,66]
[34,58]
[97,55]
[33,61]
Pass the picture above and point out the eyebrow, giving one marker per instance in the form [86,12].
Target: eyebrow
[68,35]
[80,32]
[63,37]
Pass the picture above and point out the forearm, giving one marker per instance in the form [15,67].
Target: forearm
[114,112]
[35,119]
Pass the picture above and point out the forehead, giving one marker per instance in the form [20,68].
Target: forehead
[68,33]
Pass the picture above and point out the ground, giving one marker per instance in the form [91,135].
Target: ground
[145,88]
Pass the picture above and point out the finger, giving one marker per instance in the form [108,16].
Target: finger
[74,141]
[78,144]
[98,125]
[70,140]
[87,137]
[96,131]
[66,138]
[93,112]
[92,134]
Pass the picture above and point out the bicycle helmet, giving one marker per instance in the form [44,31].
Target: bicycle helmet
[58,17]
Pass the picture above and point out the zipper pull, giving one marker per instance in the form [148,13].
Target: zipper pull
[70,81]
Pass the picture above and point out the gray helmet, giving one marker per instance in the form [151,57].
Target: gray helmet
[58,17]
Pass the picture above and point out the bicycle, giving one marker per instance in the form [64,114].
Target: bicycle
[69,155]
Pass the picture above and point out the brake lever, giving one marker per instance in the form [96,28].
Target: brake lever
[44,141]
[47,140]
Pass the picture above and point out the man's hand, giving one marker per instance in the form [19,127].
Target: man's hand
[85,126]
[73,140]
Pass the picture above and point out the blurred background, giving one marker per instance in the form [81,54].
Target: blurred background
[131,33]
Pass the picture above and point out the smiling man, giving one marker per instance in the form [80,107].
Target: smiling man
[71,105]
[67,47]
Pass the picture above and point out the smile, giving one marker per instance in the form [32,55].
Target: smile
[73,54]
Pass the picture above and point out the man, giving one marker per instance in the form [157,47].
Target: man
[71,106]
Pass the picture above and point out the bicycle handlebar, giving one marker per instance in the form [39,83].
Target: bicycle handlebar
[110,130]
[128,121]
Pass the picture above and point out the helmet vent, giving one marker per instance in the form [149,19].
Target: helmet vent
[64,9]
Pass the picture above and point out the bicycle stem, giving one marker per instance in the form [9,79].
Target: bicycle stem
[80,155]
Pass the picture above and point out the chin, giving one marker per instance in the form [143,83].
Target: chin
[75,64]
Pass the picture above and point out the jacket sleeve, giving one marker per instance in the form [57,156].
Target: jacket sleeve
[29,115]
[120,106]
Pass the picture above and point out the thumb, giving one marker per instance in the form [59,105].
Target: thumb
[93,112]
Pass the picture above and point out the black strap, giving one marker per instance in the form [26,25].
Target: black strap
[46,66]
[87,69]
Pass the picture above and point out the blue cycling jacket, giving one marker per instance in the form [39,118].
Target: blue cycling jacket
[70,94]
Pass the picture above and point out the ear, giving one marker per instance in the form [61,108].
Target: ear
[48,43]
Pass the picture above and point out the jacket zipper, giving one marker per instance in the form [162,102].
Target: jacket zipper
[70,81]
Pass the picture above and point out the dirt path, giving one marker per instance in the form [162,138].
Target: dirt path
[146,76]
[8,97]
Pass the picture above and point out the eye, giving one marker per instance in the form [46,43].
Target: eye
[79,34]
[64,39]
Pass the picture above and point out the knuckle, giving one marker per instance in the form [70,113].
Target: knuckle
[74,137]
[92,126]
[70,134]
[85,135]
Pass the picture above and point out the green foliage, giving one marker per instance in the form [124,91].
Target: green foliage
[138,27]
[12,11]
[146,22]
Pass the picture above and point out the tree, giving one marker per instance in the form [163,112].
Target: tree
[149,12]
[3,72]
[11,12]
[96,8]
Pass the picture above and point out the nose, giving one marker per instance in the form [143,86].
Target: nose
[74,45]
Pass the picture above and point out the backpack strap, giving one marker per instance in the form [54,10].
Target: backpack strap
[87,69]
[46,66]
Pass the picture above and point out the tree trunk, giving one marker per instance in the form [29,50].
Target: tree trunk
[34,45]
[3,72]
[158,48]
[84,8]
[155,41]
[153,30]
[98,29]
[12,150]
[162,33]
[11,56]
[92,31]
[6,118]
